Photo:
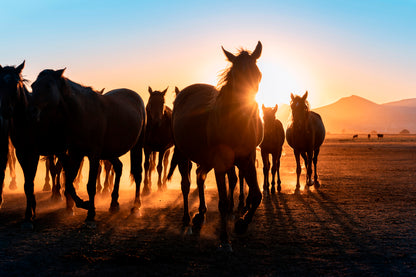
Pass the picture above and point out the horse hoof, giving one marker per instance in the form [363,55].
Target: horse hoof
[46,187]
[198,220]
[114,208]
[317,184]
[136,212]
[56,198]
[13,186]
[69,212]
[273,190]
[225,247]
[240,226]
[90,224]
[27,226]
[146,192]
[83,205]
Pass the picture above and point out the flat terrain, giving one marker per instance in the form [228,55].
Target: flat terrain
[360,222]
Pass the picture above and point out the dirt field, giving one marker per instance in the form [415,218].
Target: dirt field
[360,222]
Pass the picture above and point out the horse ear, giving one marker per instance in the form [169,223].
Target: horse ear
[102,91]
[263,107]
[305,96]
[275,109]
[257,52]
[164,92]
[150,90]
[20,67]
[229,55]
[292,96]
[59,73]
[177,90]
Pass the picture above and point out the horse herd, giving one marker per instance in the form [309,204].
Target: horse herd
[216,128]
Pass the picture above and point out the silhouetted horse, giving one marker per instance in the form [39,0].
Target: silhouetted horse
[305,135]
[54,167]
[274,137]
[31,138]
[158,138]
[101,127]
[220,129]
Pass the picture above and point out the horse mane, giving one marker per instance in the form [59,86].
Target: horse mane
[79,87]
[227,74]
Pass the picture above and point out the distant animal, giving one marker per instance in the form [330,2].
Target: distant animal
[158,138]
[305,135]
[32,136]
[355,137]
[101,127]
[369,136]
[380,136]
[218,129]
[274,137]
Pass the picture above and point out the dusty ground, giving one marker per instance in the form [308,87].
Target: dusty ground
[360,222]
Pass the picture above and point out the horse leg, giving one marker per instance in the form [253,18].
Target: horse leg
[254,193]
[136,158]
[165,168]
[118,168]
[54,170]
[279,182]
[298,170]
[78,178]
[274,169]
[108,181]
[3,163]
[29,162]
[241,197]
[71,165]
[12,166]
[92,187]
[47,186]
[147,173]
[309,168]
[315,161]
[266,167]
[232,182]
[58,167]
[159,171]
[199,218]
[99,186]
[185,171]
[223,208]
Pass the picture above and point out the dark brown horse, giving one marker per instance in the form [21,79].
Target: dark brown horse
[274,137]
[31,138]
[305,135]
[218,129]
[158,138]
[101,127]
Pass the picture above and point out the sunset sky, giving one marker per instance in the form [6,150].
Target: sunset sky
[332,48]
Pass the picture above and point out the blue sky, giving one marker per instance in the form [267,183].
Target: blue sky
[331,48]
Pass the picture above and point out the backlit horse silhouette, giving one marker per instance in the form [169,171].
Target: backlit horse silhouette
[31,138]
[101,127]
[274,137]
[158,138]
[218,129]
[305,135]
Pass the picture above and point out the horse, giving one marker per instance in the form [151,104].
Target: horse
[54,167]
[158,138]
[274,137]
[354,137]
[218,129]
[380,136]
[31,136]
[305,134]
[101,127]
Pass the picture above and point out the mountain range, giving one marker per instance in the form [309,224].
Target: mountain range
[355,114]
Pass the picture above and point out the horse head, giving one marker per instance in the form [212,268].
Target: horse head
[269,113]
[300,110]
[11,88]
[244,76]
[155,106]
[48,89]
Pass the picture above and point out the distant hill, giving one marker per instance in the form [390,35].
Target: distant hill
[355,114]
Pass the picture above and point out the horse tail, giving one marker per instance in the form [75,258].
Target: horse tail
[173,163]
